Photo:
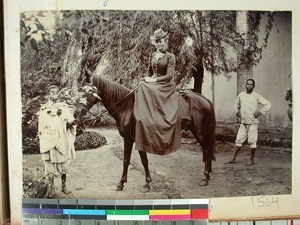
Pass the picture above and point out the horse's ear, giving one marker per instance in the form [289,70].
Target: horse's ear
[87,81]
[88,78]
[85,78]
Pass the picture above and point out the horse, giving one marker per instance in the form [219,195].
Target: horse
[119,101]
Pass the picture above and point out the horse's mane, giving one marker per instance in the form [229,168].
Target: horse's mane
[111,90]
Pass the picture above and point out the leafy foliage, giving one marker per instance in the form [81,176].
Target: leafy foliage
[253,52]
[85,141]
[37,185]
[289,95]
[32,30]
[31,145]
[119,42]
[116,44]
[40,66]
[89,140]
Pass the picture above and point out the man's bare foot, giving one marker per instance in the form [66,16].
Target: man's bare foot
[230,161]
[66,191]
[250,163]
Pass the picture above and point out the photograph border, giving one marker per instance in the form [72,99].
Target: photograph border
[221,209]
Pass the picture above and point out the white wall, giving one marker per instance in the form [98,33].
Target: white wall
[271,76]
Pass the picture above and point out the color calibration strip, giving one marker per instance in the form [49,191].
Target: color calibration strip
[168,210]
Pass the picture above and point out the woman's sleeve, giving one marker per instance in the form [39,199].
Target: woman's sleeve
[150,69]
[171,65]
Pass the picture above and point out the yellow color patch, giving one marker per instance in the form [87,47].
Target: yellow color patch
[169,212]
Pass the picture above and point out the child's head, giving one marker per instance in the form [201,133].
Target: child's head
[53,92]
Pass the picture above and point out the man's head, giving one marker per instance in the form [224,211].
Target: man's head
[250,84]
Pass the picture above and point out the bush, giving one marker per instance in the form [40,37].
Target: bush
[104,120]
[37,185]
[84,141]
[30,129]
[31,145]
[89,140]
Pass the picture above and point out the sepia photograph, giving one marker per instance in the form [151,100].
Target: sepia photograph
[107,100]
[156,104]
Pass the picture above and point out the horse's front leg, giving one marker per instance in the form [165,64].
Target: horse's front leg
[207,171]
[126,161]
[146,187]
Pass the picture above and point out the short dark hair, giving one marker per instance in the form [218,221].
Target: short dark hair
[250,79]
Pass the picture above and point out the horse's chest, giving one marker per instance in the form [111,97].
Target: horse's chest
[126,127]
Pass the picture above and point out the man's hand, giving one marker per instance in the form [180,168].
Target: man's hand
[70,124]
[150,80]
[257,114]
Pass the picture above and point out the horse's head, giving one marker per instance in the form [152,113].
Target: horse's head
[91,94]
[89,97]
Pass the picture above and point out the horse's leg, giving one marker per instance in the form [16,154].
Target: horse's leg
[146,187]
[207,171]
[207,162]
[126,161]
[207,144]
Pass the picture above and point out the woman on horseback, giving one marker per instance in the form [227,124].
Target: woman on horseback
[158,127]
[152,114]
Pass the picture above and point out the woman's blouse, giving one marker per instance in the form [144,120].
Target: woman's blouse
[161,64]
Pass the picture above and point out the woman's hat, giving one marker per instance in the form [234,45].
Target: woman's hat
[158,34]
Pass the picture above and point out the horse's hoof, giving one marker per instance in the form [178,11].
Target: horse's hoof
[119,187]
[204,182]
[145,189]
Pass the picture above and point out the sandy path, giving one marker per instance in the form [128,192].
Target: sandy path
[95,173]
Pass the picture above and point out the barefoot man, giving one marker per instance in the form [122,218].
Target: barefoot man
[247,109]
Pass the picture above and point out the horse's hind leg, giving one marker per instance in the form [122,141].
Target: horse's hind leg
[207,165]
[207,144]
[207,171]
[144,159]
[126,161]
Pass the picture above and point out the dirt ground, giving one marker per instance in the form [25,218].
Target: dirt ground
[95,173]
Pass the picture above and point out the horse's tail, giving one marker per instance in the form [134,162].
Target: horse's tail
[211,131]
[208,128]
[212,125]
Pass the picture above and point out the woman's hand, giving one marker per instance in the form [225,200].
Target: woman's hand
[150,80]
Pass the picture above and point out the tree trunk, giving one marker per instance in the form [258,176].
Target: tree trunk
[198,75]
[72,65]
[245,69]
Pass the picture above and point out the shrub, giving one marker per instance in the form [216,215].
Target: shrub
[89,140]
[289,95]
[31,145]
[104,120]
[30,128]
[84,141]
[37,185]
